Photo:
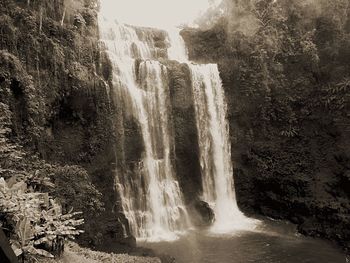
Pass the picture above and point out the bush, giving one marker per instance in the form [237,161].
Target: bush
[74,189]
[36,220]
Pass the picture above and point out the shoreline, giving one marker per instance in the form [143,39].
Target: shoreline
[74,253]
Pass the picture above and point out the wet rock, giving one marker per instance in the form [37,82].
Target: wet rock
[129,241]
[203,214]
[186,153]
[79,21]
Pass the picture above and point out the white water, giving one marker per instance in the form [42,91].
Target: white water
[214,142]
[151,200]
[215,150]
[177,50]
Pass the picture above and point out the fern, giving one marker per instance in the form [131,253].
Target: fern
[290,132]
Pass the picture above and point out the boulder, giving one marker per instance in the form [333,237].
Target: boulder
[203,214]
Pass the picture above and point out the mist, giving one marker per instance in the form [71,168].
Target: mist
[156,13]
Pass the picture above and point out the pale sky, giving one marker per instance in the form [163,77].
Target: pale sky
[154,13]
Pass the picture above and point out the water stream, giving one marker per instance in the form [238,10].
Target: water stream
[215,150]
[152,202]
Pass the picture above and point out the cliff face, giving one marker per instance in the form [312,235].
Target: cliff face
[56,84]
[287,87]
[186,152]
[54,80]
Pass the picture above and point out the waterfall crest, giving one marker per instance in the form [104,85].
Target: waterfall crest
[152,201]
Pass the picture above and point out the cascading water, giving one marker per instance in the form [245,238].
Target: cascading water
[215,150]
[214,143]
[177,49]
[152,201]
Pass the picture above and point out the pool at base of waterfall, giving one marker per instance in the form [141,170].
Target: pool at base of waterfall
[273,242]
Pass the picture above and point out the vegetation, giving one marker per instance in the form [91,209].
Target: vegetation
[30,216]
[74,190]
[55,112]
[285,69]
[77,254]
[36,220]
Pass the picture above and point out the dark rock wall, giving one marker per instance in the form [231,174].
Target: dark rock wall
[186,152]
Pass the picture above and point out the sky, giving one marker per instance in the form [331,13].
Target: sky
[155,13]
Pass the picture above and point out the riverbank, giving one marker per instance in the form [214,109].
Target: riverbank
[74,253]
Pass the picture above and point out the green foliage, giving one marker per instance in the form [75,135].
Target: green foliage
[336,98]
[37,220]
[21,171]
[74,189]
[284,61]
[54,103]
[10,153]
[285,69]
[15,164]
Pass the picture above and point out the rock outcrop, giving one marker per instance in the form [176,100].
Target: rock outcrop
[186,152]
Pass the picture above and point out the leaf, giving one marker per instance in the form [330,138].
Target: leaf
[24,230]
[3,184]
[16,247]
[20,186]
[36,251]
[42,240]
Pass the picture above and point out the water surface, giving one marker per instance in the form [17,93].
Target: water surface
[274,242]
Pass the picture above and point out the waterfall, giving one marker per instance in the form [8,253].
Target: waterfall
[215,149]
[213,140]
[151,200]
[150,196]
[177,49]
